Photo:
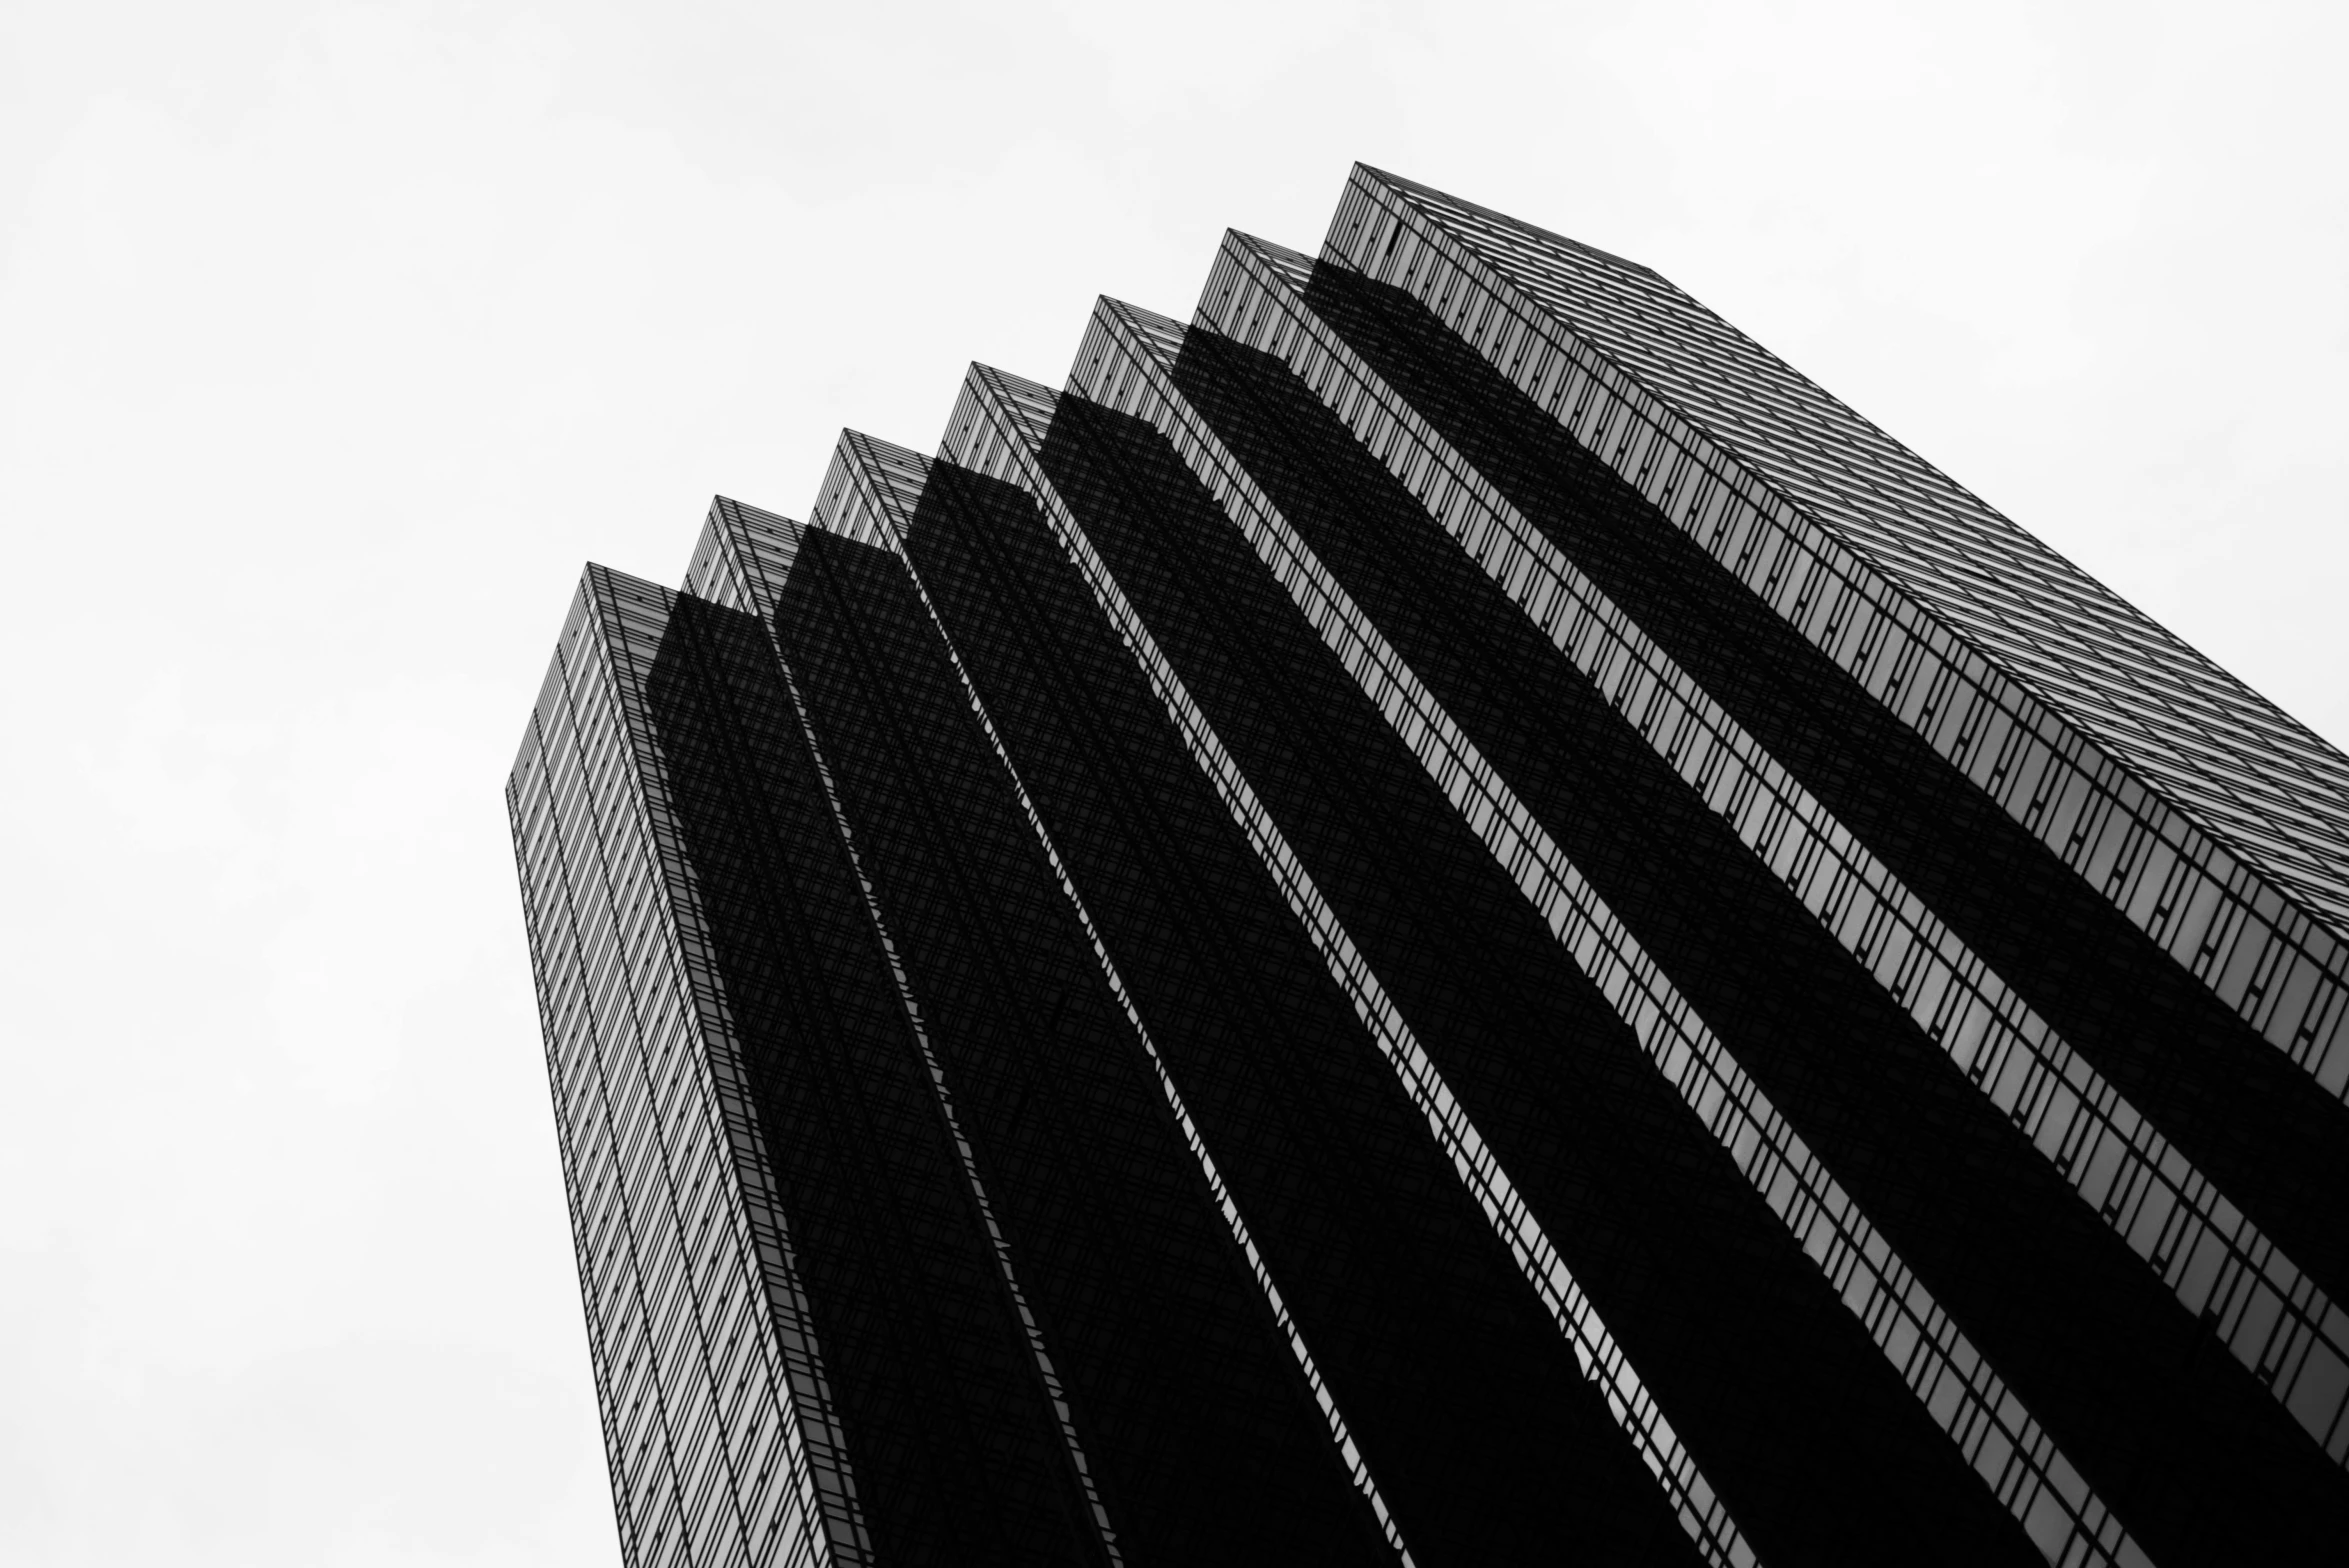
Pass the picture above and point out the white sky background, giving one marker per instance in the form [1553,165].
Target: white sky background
[334,338]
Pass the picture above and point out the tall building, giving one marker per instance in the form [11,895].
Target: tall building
[1445,916]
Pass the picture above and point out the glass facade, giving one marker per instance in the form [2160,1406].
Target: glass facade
[1441,917]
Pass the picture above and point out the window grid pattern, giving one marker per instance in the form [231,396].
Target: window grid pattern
[1476,1399]
[869,484]
[717,1419]
[1103,357]
[742,557]
[753,548]
[2009,1449]
[872,486]
[948,1425]
[2273,1317]
[1539,312]
[887,523]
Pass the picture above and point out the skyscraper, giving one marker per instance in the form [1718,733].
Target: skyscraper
[1443,916]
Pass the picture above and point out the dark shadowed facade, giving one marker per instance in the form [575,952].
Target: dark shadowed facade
[1443,917]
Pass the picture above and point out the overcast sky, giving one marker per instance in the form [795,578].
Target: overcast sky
[333,339]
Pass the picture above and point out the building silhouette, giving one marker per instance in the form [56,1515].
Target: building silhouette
[1444,915]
